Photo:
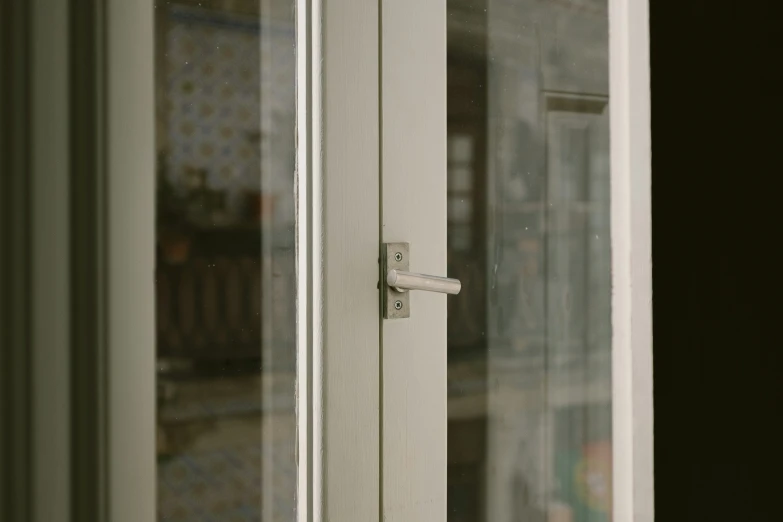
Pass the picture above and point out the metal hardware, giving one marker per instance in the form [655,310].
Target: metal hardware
[398,281]
[404,281]
[396,305]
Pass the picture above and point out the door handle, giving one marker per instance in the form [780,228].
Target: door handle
[403,281]
[398,281]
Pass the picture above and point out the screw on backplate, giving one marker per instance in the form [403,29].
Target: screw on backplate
[398,305]
[398,257]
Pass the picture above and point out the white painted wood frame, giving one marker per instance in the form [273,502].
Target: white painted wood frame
[124,196]
[631,220]
[337,269]
[413,173]
[130,261]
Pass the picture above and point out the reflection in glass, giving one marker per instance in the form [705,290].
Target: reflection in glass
[529,337]
[225,260]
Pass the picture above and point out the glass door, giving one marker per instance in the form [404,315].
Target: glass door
[509,402]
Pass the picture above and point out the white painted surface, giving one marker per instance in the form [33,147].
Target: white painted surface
[413,173]
[632,380]
[130,206]
[50,273]
[337,250]
[305,90]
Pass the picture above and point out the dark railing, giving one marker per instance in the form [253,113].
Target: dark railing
[208,286]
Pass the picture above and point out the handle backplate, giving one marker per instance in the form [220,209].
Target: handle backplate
[396,304]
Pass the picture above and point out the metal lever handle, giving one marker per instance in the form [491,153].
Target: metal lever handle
[396,300]
[403,281]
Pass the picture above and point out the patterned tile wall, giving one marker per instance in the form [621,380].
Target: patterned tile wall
[216,65]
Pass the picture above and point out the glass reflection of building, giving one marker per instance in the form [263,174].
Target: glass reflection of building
[528,222]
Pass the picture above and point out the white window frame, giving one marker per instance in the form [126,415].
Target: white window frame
[631,221]
[130,262]
[413,173]
[337,270]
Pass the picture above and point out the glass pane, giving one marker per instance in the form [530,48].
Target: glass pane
[225,278]
[529,337]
